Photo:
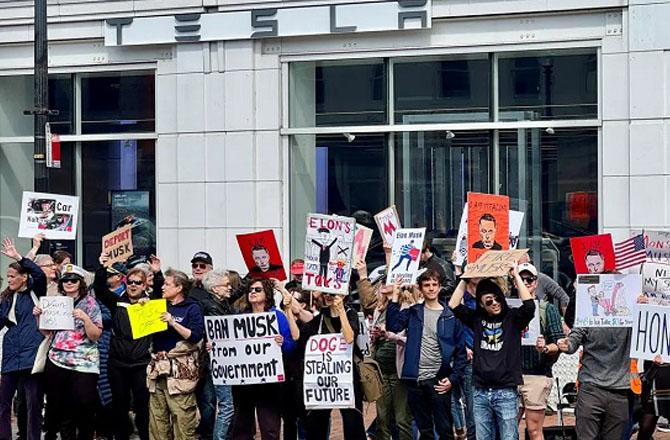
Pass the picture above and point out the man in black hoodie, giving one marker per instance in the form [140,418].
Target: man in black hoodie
[497,354]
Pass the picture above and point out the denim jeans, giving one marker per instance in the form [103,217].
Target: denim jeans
[432,411]
[496,407]
[462,403]
[224,413]
[206,397]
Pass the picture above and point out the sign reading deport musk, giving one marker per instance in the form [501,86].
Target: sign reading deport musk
[270,22]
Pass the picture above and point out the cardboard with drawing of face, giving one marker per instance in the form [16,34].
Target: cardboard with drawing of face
[593,254]
[488,224]
[261,254]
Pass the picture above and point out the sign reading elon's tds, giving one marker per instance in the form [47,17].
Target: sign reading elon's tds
[270,22]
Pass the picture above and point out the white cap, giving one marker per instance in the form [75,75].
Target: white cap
[73,269]
[527,267]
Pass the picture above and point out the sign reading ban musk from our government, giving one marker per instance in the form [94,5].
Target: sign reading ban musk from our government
[244,350]
[329,373]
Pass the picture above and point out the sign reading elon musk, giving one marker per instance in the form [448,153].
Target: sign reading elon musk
[270,22]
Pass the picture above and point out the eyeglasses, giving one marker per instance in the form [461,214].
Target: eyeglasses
[199,266]
[255,289]
[528,280]
[134,282]
[489,302]
[48,265]
[70,281]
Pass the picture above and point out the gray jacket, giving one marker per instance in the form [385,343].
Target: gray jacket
[550,290]
[606,358]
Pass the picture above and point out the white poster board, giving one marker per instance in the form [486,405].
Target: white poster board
[515,222]
[244,350]
[656,283]
[329,373]
[388,223]
[657,244]
[56,313]
[651,332]
[606,300]
[530,334]
[405,256]
[329,244]
[363,338]
[53,215]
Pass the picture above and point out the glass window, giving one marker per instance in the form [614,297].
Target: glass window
[443,90]
[118,103]
[331,175]
[118,181]
[548,86]
[338,93]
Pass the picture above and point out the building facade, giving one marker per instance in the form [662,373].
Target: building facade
[208,118]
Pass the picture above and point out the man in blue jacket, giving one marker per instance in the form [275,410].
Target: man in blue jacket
[435,356]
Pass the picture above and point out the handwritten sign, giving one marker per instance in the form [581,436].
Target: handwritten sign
[488,224]
[53,215]
[244,350]
[363,338]
[405,256]
[606,300]
[56,313]
[593,253]
[651,332]
[329,373]
[657,244]
[145,318]
[493,264]
[118,245]
[656,283]
[530,334]
[362,238]
[388,223]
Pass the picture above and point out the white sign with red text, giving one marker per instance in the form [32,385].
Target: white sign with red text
[329,373]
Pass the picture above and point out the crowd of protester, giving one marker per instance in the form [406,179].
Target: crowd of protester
[448,348]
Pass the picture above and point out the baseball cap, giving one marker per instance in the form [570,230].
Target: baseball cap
[297,266]
[117,269]
[527,267]
[202,256]
[72,271]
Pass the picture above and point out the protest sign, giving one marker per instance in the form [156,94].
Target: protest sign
[656,283]
[56,313]
[515,222]
[388,222]
[362,238]
[530,334]
[493,264]
[261,254]
[53,215]
[593,253]
[606,300]
[244,350]
[145,319]
[651,332]
[488,224]
[405,256]
[328,381]
[329,244]
[363,338]
[118,245]
[657,244]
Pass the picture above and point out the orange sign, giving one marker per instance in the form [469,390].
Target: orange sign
[488,224]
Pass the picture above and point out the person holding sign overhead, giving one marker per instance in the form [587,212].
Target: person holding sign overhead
[173,371]
[73,365]
[25,283]
[262,399]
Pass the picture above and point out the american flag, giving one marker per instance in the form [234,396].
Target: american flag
[630,252]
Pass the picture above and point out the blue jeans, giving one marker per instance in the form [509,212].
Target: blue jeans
[224,413]
[462,402]
[496,407]
[206,398]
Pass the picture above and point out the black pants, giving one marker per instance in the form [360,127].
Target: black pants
[431,411]
[73,396]
[317,423]
[31,387]
[293,407]
[264,400]
[124,382]
[601,413]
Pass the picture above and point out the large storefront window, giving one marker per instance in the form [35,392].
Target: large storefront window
[549,173]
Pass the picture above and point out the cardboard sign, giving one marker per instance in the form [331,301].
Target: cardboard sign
[388,222]
[56,313]
[530,334]
[329,244]
[53,215]
[488,224]
[493,264]
[261,254]
[606,300]
[145,319]
[405,256]
[362,238]
[363,338]
[244,350]
[515,223]
[118,245]
[593,253]
[328,381]
[656,283]
[657,244]
[651,332]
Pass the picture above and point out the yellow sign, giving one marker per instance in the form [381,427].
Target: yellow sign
[145,318]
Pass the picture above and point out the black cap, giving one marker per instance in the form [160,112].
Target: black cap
[135,260]
[202,256]
[117,269]
[487,285]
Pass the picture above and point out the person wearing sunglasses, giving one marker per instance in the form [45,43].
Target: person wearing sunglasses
[537,361]
[496,364]
[73,363]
